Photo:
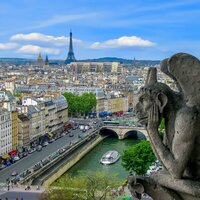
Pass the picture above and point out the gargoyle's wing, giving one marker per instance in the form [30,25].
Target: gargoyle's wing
[186,70]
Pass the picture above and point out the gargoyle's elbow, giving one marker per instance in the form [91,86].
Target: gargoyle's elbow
[176,174]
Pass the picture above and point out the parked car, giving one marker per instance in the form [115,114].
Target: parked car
[8,163]
[2,167]
[61,151]
[25,154]
[16,158]
[86,127]
[45,144]
[81,127]
[14,173]
[30,151]
[39,148]
[17,178]
[51,140]
[71,135]
[63,134]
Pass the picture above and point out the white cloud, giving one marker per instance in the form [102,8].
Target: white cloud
[58,41]
[125,41]
[33,49]
[6,46]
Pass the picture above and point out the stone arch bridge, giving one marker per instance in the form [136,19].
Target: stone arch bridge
[124,131]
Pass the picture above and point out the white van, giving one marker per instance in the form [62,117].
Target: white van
[81,127]
[86,127]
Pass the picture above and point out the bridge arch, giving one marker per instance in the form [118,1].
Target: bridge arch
[135,134]
[108,132]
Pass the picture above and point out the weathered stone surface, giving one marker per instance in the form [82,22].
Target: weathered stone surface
[179,151]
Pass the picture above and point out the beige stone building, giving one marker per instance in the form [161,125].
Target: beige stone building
[112,104]
[15,136]
[23,129]
[108,67]
[100,107]
[118,104]
[37,122]
[61,112]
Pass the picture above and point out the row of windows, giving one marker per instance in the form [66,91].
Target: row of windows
[8,134]
[5,118]
[6,150]
[5,125]
[6,142]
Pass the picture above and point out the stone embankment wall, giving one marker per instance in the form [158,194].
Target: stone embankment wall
[77,156]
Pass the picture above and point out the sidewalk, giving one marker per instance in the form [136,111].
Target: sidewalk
[22,189]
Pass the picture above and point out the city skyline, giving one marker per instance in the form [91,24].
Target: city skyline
[150,30]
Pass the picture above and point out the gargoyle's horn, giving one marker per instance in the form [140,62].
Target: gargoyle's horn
[147,79]
[151,76]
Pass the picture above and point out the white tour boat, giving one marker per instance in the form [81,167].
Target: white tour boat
[110,157]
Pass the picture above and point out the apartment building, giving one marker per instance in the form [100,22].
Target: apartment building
[5,130]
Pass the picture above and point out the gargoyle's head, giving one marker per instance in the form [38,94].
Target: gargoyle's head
[152,99]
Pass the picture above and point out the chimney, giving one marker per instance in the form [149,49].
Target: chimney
[24,109]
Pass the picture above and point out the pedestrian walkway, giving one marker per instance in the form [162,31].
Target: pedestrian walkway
[3,188]
[19,188]
[21,192]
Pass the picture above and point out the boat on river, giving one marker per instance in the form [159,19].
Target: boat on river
[110,157]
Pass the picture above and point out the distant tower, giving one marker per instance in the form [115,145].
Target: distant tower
[39,62]
[70,56]
[134,62]
[46,60]
[39,59]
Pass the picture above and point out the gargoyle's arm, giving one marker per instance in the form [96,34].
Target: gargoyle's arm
[182,145]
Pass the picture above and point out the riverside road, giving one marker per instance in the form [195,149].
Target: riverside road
[36,157]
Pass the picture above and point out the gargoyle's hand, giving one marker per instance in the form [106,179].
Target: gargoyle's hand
[134,186]
[153,118]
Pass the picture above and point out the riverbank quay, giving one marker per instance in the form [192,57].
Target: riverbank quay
[72,161]
[68,155]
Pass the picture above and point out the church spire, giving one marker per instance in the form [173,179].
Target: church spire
[39,59]
[46,60]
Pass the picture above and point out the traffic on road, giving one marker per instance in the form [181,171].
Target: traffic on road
[48,149]
[34,156]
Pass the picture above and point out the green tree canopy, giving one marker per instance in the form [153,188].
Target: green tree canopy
[80,104]
[90,186]
[138,158]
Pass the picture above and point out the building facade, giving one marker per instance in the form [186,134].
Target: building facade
[15,136]
[61,112]
[23,129]
[96,67]
[118,104]
[5,131]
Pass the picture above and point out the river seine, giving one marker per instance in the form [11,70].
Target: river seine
[91,161]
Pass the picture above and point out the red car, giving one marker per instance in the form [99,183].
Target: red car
[68,126]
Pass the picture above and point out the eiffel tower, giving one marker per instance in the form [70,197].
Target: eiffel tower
[70,56]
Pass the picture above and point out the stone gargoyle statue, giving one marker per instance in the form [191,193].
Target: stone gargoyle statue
[179,150]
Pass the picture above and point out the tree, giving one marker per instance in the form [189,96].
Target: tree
[88,102]
[90,186]
[80,104]
[138,158]
[70,100]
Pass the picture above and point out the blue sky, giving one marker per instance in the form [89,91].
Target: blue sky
[150,29]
